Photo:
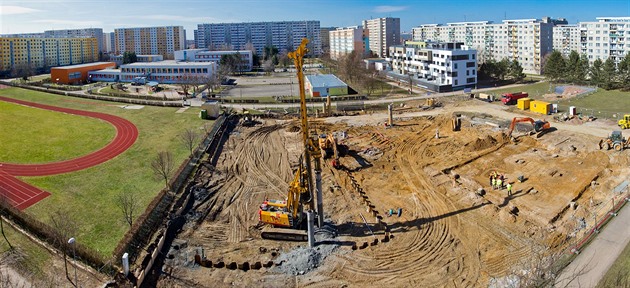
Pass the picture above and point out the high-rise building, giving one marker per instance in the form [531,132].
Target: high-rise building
[79,33]
[150,40]
[43,53]
[605,38]
[23,35]
[345,40]
[110,42]
[526,40]
[566,38]
[382,33]
[440,67]
[284,35]
[324,36]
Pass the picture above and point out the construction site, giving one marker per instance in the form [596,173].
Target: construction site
[407,199]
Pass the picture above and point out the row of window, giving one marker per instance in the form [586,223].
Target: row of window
[165,70]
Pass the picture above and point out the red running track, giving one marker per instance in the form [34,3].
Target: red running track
[23,195]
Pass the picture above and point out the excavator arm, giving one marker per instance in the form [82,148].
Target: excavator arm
[540,126]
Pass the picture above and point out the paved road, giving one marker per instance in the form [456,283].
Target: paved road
[590,266]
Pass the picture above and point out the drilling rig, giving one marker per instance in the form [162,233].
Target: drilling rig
[286,217]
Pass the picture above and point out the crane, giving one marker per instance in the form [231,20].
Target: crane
[287,217]
[540,126]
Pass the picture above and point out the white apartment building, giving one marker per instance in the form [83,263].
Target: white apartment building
[526,40]
[284,35]
[566,38]
[204,55]
[440,67]
[345,40]
[609,37]
[110,42]
[168,71]
[150,40]
[382,33]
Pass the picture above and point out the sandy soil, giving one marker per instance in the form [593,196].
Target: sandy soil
[449,234]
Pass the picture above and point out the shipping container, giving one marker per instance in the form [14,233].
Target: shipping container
[523,103]
[540,107]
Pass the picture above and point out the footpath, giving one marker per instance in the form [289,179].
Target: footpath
[590,266]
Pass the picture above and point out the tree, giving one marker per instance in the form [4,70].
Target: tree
[163,165]
[503,68]
[128,203]
[212,81]
[189,138]
[609,74]
[129,57]
[230,63]
[554,66]
[573,66]
[23,71]
[284,60]
[63,227]
[268,66]
[269,52]
[624,72]
[186,82]
[596,72]
[516,71]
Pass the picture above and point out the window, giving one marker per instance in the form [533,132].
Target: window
[470,80]
[455,66]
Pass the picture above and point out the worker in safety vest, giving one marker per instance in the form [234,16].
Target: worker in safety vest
[509,188]
[500,183]
[494,183]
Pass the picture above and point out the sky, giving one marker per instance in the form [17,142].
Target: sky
[26,16]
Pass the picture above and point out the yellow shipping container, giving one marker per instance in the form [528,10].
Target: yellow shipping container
[540,107]
[523,103]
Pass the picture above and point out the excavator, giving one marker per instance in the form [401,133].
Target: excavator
[284,219]
[615,140]
[540,126]
[329,147]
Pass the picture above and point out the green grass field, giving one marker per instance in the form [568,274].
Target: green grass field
[619,273]
[89,196]
[31,135]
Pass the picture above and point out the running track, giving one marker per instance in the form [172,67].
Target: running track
[23,195]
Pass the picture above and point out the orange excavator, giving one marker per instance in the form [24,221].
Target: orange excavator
[329,147]
[540,126]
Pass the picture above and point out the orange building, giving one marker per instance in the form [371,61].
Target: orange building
[77,74]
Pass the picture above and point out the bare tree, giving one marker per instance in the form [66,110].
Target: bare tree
[128,203]
[268,66]
[23,71]
[64,227]
[186,82]
[163,166]
[212,81]
[189,138]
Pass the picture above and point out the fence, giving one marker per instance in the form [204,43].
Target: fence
[210,144]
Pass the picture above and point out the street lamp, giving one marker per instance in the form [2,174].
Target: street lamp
[72,242]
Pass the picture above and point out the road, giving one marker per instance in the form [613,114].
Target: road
[590,266]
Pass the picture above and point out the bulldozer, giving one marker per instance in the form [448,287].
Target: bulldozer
[625,122]
[615,141]
[540,126]
[284,219]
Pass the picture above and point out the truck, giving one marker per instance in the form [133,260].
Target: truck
[511,98]
[485,97]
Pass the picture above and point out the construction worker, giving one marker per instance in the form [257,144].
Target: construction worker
[500,183]
[491,178]
[494,183]
[509,188]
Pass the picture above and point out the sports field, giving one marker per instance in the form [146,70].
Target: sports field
[89,195]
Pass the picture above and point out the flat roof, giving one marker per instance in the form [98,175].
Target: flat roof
[108,70]
[84,65]
[326,80]
[168,63]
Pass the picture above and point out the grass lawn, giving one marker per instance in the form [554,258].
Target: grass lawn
[32,135]
[89,196]
[32,259]
[619,273]
[535,90]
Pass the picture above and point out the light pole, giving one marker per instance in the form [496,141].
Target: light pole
[72,242]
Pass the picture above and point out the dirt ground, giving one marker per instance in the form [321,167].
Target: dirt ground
[450,234]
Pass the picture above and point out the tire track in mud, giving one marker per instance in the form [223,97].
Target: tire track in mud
[428,251]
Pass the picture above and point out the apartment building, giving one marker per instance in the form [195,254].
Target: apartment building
[324,36]
[43,53]
[525,40]
[345,40]
[284,35]
[440,67]
[566,38]
[204,55]
[79,33]
[150,40]
[109,39]
[382,33]
[606,38]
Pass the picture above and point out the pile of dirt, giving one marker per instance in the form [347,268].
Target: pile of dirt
[293,128]
[301,260]
[481,144]
[371,153]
